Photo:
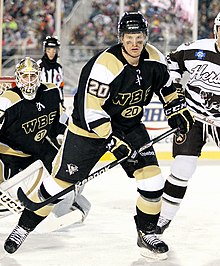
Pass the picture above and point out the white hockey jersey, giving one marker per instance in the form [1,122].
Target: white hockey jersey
[201,60]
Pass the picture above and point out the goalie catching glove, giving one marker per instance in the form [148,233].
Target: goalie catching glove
[118,145]
[178,115]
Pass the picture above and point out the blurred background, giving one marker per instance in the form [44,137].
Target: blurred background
[85,27]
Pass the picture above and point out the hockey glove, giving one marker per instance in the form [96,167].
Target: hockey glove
[118,145]
[178,115]
[180,90]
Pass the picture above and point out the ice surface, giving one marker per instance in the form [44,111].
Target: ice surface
[108,235]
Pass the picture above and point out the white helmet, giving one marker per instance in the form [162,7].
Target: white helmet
[216,24]
[28,77]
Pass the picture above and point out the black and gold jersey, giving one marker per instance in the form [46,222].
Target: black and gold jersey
[24,124]
[201,60]
[112,93]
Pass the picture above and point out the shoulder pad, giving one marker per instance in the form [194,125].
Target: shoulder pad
[8,99]
[155,54]
[111,62]
[50,85]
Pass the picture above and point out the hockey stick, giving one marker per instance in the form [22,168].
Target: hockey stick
[33,206]
[206,119]
[56,220]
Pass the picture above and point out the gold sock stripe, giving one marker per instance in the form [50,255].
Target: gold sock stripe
[148,207]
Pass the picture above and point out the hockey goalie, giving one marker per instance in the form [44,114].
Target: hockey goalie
[30,133]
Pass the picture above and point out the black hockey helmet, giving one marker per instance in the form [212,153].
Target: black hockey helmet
[132,22]
[51,41]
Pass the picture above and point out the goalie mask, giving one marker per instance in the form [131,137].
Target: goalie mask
[216,25]
[28,77]
[132,22]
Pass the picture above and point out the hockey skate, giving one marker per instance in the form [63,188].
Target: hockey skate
[16,238]
[151,246]
[162,225]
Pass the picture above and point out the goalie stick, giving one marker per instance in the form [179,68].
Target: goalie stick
[33,206]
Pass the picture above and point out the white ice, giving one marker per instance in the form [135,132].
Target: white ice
[108,236]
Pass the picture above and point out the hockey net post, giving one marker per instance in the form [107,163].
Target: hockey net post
[6,82]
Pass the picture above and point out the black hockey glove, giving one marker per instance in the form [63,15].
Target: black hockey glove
[178,115]
[180,90]
[118,145]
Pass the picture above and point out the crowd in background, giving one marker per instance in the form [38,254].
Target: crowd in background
[101,27]
[167,22]
[27,22]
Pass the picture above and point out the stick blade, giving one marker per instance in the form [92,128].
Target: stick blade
[26,202]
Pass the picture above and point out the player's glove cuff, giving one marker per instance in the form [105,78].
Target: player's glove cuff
[118,145]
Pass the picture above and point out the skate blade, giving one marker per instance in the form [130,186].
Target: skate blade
[152,256]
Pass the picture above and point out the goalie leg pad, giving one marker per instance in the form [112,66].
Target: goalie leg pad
[73,201]
[81,203]
[64,206]
[71,210]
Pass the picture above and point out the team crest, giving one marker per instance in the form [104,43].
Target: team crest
[180,139]
[200,54]
[72,168]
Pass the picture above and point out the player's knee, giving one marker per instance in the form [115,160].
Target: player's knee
[150,182]
[184,167]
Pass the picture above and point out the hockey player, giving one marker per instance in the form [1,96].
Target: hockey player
[201,59]
[113,89]
[51,70]
[27,120]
